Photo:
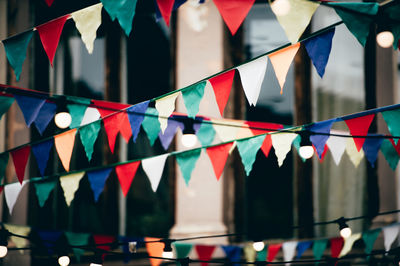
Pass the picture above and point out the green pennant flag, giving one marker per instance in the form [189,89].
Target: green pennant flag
[77,239]
[3,164]
[206,134]
[182,249]
[369,238]
[5,104]
[77,110]
[187,161]
[262,255]
[358,24]
[88,135]
[151,125]
[390,153]
[392,119]
[43,190]
[124,11]
[319,247]
[192,97]
[16,50]
[248,149]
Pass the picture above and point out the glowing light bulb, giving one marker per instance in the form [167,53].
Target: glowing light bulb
[189,140]
[258,246]
[62,120]
[3,251]
[306,152]
[95,264]
[280,7]
[385,39]
[345,232]
[64,260]
[168,254]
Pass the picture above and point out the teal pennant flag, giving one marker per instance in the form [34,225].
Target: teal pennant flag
[16,50]
[43,190]
[88,135]
[5,104]
[192,97]
[248,149]
[77,110]
[182,249]
[319,247]
[392,119]
[206,133]
[151,125]
[369,238]
[390,153]
[187,162]
[123,10]
[77,239]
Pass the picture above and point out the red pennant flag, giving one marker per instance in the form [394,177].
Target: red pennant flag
[1,189]
[234,12]
[204,253]
[49,2]
[126,173]
[267,145]
[273,251]
[102,239]
[106,108]
[165,7]
[336,246]
[218,156]
[20,158]
[359,126]
[222,85]
[259,128]
[50,33]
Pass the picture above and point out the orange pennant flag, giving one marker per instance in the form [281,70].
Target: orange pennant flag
[155,249]
[64,145]
[281,61]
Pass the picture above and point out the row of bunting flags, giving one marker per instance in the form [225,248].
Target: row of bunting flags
[290,250]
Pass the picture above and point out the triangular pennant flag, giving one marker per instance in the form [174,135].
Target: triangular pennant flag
[390,153]
[49,2]
[70,184]
[87,21]
[91,115]
[88,135]
[165,107]
[336,246]
[126,173]
[50,33]
[297,18]
[136,115]
[252,76]
[319,247]
[234,12]
[182,250]
[222,85]
[43,190]
[4,157]
[369,238]
[259,128]
[169,133]
[249,252]
[357,17]
[100,240]
[392,120]
[354,155]
[192,96]
[319,49]
[348,244]
[204,252]
[151,125]
[155,249]
[218,156]
[281,61]
[397,147]
[77,239]
[165,7]
[44,117]
[97,181]
[319,140]
[371,148]
[187,162]
[267,145]
[20,231]
[289,250]
[15,48]
[282,143]
[42,153]
[233,253]
[124,11]
[323,153]
[5,104]
[337,146]
[20,159]
[359,127]
[262,255]
[30,107]
[11,193]
[154,167]
[226,129]
[206,133]
[64,143]
[273,250]
[390,234]
[114,124]
[248,149]
[49,238]
[302,247]
[77,111]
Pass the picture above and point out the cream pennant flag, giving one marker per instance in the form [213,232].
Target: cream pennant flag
[390,234]
[91,115]
[348,244]
[70,184]
[227,130]
[282,143]
[296,20]
[354,155]
[252,76]
[154,167]
[11,193]
[289,250]
[337,145]
[208,105]
[87,21]
[281,61]
[64,143]
[165,107]
[18,230]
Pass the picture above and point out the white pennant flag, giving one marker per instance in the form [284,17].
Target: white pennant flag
[70,184]
[348,244]
[154,167]
[289,250]
[165,107]
[354,155]
[337,145]
[227,130]
[91,115]
[11,193]
[390,234]
[252,76]
[282,143]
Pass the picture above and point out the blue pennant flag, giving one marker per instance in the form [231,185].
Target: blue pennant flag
[45,115]
[136,116]
[302,247]
[42,152]
[319,48]
[30,107]
[371,148]
[319,140]
[233,253]
[125,248]
[97,181]
[169,133]
[49,238]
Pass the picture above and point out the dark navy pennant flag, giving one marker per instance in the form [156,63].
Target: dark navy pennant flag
[42,152]
[371,148]
[97,181]
[319,140]
[45,115]
[302,247]
[136,116]
[30,107]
